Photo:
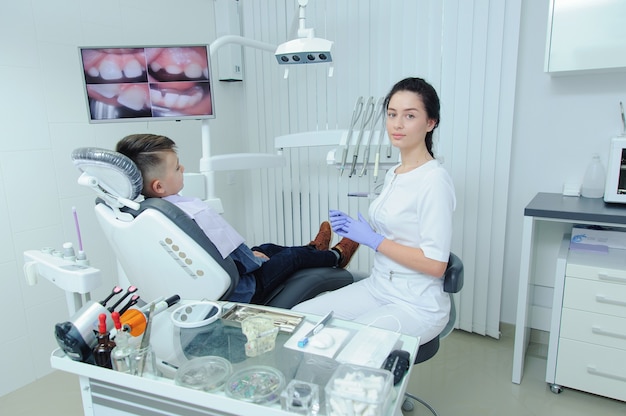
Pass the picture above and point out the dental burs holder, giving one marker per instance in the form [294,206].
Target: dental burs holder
[75,279]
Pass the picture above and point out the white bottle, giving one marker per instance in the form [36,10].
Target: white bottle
[593,181]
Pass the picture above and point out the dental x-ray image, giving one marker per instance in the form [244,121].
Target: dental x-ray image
[125,84]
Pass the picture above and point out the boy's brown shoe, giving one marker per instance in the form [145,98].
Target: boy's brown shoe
[323,237]
[346,249]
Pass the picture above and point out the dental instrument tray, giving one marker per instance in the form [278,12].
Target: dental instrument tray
[286,322]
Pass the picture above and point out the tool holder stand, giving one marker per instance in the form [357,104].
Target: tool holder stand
[340,138]
[75,279]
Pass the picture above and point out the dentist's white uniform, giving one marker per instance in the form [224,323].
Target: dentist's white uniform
[414,209]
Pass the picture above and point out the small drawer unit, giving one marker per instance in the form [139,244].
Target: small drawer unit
[591,352]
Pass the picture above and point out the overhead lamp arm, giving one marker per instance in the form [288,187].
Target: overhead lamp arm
[207,165]
[240,40]
[303,32]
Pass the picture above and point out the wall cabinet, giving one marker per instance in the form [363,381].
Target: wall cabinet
[586,35]
[589,331]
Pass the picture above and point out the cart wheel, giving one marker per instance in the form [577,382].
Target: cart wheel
[556,389]
[408,405]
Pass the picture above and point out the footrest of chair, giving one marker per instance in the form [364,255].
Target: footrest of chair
[306,284]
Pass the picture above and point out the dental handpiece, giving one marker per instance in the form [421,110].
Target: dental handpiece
[366,118]
[379,114]
[377,159]
[358,106]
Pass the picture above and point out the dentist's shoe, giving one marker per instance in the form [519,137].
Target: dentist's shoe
[323,237]
[346,249]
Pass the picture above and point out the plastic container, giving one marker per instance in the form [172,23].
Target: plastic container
[257,384]
[593,181]
[204,373]
[357,390]
[301,398]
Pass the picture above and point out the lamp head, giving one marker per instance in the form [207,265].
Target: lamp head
[307,50]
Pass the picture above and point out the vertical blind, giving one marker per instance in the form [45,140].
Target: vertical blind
[466,49]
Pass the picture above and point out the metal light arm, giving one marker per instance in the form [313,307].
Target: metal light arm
[303,32]
[206,161]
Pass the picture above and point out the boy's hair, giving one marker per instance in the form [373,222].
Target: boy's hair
[146,151]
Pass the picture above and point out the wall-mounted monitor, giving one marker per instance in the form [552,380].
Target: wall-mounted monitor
[147,83]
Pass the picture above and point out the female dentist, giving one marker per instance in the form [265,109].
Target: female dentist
[411,229]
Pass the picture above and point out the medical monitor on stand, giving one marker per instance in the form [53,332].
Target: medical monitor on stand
[147,83]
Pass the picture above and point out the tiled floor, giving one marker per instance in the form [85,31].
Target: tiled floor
[470,376]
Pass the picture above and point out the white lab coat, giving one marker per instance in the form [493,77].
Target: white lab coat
[413,209]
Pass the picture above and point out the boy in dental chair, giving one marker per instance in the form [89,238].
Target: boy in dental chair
[261,268]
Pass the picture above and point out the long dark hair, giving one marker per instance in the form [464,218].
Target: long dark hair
[429,98]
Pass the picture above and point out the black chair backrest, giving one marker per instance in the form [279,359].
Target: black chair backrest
[453,277]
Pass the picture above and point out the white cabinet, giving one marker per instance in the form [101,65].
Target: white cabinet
[590,327]
[585,35]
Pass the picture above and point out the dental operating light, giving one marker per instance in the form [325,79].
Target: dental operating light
[306,48]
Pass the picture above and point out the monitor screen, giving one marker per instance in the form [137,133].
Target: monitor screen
[141,83]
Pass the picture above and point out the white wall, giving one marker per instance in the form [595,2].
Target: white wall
[559,122]
[43,117]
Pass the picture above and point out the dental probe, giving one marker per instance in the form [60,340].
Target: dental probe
[358,106]
[366,118]
[366,156]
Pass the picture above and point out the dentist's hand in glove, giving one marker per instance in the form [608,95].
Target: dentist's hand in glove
[356,230]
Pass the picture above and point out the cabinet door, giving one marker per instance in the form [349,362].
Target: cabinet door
[586,35]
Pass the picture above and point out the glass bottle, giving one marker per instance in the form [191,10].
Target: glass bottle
[120,355]
[104,346]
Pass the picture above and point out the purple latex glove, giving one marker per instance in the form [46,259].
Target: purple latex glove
[337,219]
[359,231]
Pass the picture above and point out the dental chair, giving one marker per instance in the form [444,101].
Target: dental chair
[162,251]
[452,283]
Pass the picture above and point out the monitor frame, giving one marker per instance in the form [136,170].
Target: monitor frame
[148,94]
